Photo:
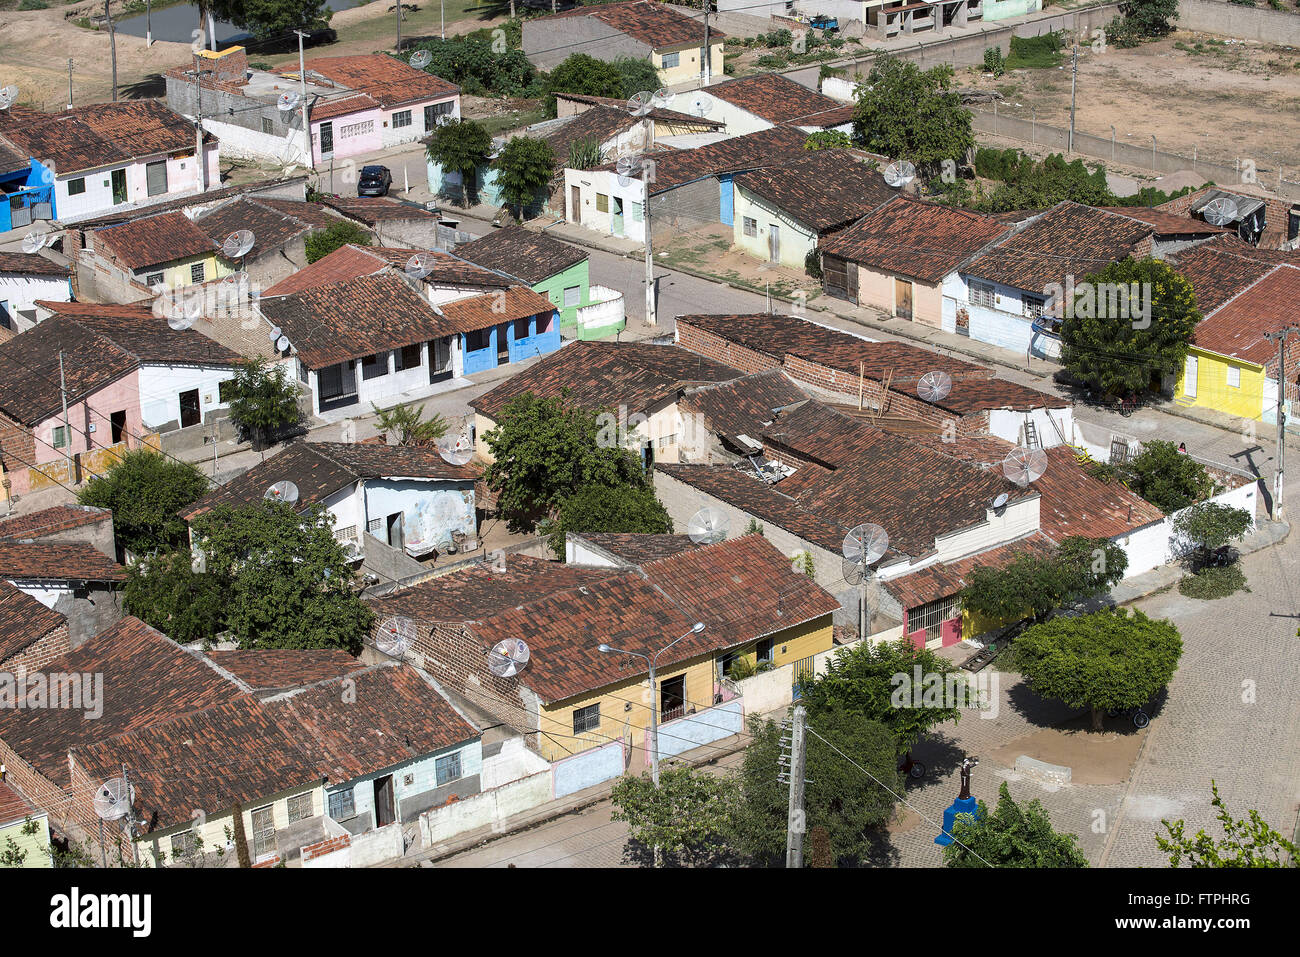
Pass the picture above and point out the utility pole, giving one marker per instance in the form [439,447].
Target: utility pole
[148,23]
[399,26]
[650,317]
[796,822]
[67,430]
[69,82]
[302,95]
[112,42]
[198,126]
[707,58]
[442,8]
[1074,82]
[1279,478]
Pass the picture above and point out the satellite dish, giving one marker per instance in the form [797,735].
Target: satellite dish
[35,239]
[701,104]
[282,343]
[853,572]
[626,167]
[1220,211]
[420,59]
[287,101]
[445,119]
[420,265]
[283,491]
[238,243]
[641,103]
[8,95]
[396,636]
[707,526]
[934,386]
[661,98]
[508,657]
[1023,466]
[899,174]
[455,449]
[289,158]
[274,333]
[865,544]
[113,799]
[1001,501]
[236,278]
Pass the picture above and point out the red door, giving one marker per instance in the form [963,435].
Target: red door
[950,632]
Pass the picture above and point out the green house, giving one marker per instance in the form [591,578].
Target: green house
[554,269]
[24,830]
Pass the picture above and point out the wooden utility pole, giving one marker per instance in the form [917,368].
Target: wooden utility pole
[707,58]
[69,82]
[399,26]
[241,838]
[1074,81]
[1279,479]
[112,43]
[796,822]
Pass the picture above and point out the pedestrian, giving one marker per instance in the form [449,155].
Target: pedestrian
[1182,447]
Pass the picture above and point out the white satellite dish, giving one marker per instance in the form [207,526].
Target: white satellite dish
[238,243]
[899,174]
[445,119]
[236,278]
[626,167]
[1023,466]
[707,526]
[289,158]
[661,98]
[933,386]
[35,239]
[113,799]
[1001,501]
[8,96]
[865,544]
[396,636]
[1221,211]
[287,101]
[641,103]
[852,572]
[282,343]
[455,449]
[274,333]
[508,657]
[282,491]
[420,265]
[421,59]
[183,315]
[701,105]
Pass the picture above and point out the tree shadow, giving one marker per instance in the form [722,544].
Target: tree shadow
[940,754]
[637,854]
[152,87]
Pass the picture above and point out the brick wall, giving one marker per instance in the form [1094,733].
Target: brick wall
[719,349]
[41,652]
[17,451]
[320,849]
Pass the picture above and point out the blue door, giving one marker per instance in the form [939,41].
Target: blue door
[726,201]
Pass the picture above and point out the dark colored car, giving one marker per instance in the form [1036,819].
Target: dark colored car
[374,181]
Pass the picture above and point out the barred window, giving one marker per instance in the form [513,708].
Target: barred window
[447,768]
[342,805]
[196,272]
[931,615]
[1033,306]
[401,119]
[346,534]
[981,294]
[375,526]
[263,833]
[299,807]
[670,60]
[751,226]
[183,845]
[586,719]
[602,203]
[268,126]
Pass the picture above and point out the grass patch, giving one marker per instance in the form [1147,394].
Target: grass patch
[1215,582]
[513,120]
[1036,53]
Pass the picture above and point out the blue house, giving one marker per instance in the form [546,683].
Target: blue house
[28,188]
[500,327]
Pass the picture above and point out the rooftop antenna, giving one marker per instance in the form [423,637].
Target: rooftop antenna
[183,311]
[420,59]
[8,96]
[455,449]
[1023,466]
[508,657]
[627,167]
[641,103]
[237,245]
[396,636]
[113,800]
[287,101]
[661,98]
[899,174]
[36,238]
[420,265]
[1220,211]
[1000,502]
[708,526]
[862,547]
[933,386]
[282,491]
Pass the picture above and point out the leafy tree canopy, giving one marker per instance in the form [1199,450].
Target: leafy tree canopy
[145,490]
[263,399]
[1245,843]
[1149,18]
[1039,584]
[1011,836]
[687,815]
[1029,184]
[602,508]
[406,425]
[906,113]
[1210,525]
[166,593]
[827,140]
[320,244]
[1168,479]
[480,64]
[270,18]
[526,165]
[580,73]
[1109,660]
[461,147]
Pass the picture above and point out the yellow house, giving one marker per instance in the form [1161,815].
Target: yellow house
[684,62]
[24,831]
[166,249]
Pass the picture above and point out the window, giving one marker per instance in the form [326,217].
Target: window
[602,203]
[375,526]
[182,845]
[299,807]
[155,177]
[401,119]
[636,212]
[302,371]
[153,279]
[586,719]
[725,661]
[447,768]
[670,60]
[356,129]
[1033,306]
[342,805]
[60,436]
[933,614]
[478,339]
[1234,377]
[764,650]
[77,186]
[197,272]
[268,125]
[572,296]
[431,113]
[263,833]
[407,357]
[372,367]
[981,294]
[521,330]
[751,226]
[225,390]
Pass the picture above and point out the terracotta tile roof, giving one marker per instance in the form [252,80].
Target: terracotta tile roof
[526,254]
[636,549]
[320,469]
[345,105]
[102,134]
[23,620]
[925,241]
[30,264]
[976,395]
[743,406]
[272,226]
[944,579]
[450,269]
[480,312]
[389,716]
[48,521]
[1238,328]
[153,240]
[770,147]
[387,79]
[147,679]
[196,199]
[1069,239]
[135,329]
[604,375]
[1167,223]
[828,118]
[73,561]
[370,210]
[655,25]
[1075,503]
[271,669]
[13,159]
[346,262]
[14,807]
[598,124]
[774,97]
[29,368]
[822,189]
[656,113]
[1220,269]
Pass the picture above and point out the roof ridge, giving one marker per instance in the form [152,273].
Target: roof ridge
[1245,289]
[316,450]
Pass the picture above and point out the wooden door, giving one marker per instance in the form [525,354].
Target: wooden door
[902,299]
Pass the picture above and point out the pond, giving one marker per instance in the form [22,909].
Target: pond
[178,23]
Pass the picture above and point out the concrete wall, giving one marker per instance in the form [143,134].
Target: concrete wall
[794,239]
[590,767]
[490,808]
[513,762]
[698,203]
[703,727]
[1010,426]
[548,42]
[431,511]
[161,387]
[182,179]
[1232,20]
[19,294]
[590,185]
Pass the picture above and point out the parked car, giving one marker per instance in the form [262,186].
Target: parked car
[374,181]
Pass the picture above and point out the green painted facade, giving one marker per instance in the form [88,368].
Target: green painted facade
[1001,9]
[576,276]
[36,845]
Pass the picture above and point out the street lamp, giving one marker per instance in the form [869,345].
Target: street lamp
[654,693]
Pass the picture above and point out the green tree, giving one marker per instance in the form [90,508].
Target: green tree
[1029,184]
[263,400]
[285,579]
[686,816]
[1149,18]
[461,147]
[406,425]
[1039,584]
[166,593]
[827,140]
[320,244]
[1108,660]
[1168,479]
[909,114]
[1011,836]
[145,490]
[1245,843]
[1127,324]
[875,679]
[271,18]
[584,154]
[12,855]
[526,166]
[545,450]
[852,803]
[580,73]
[1207,526]
[478,64]
[603,508]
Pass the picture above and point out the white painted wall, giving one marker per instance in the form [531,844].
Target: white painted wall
[1009,425]
[347,508]
[241,142]
[182,179]
[430,509]
[579,553]
[391,135]
[488,809]
[512,763]
[161,387]
[47,593]
[591,182]
[21,293]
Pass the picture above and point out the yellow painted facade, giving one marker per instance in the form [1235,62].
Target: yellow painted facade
[179,273]
[212,830]
[625,707]
[974,624]
[688,66]
[1228,385]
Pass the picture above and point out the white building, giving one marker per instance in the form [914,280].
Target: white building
[25,278]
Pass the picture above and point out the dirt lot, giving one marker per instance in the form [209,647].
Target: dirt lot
[1226,99]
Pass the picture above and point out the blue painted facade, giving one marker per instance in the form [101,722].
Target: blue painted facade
[1007,326]
[727,200]
[35,184]
[543,337]
[702,727]
[424,778]
[588,768]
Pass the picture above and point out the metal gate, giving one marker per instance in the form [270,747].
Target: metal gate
[803,672]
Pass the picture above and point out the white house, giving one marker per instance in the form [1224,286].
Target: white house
[758,102]
[25,278]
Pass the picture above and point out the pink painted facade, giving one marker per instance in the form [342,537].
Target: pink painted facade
[353,134]
[97,411]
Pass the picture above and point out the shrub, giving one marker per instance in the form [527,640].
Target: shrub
[1217,581]
[1038,53]
[812,264]
[993,62]
[771,61]
[33,5]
